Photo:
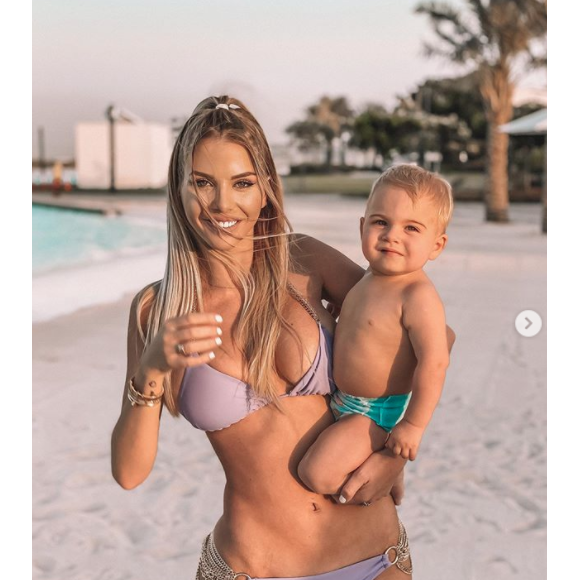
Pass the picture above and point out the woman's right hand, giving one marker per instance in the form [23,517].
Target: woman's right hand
[184,341]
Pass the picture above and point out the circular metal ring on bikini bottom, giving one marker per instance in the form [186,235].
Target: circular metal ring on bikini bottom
[386,552]
[242,575]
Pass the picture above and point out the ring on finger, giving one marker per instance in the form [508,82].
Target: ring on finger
[366,503]
[180,349]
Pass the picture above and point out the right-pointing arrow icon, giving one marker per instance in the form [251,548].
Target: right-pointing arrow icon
[528,323]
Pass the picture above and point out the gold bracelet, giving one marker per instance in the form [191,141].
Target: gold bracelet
[134,401]
[140,402]
[138,398]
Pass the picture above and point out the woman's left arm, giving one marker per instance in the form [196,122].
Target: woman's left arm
[336,273]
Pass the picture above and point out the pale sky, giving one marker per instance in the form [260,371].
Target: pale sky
[159,58]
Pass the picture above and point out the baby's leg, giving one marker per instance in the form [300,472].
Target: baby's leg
[338,451]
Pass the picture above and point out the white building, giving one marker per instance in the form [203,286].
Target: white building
[141,158]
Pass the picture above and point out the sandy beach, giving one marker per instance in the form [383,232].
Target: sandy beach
[475,505]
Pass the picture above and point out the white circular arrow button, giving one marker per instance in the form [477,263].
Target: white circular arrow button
[528,323]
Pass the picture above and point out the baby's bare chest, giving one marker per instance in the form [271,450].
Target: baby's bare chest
[374,311]
[372,349]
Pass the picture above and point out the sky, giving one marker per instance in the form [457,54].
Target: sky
[159,58]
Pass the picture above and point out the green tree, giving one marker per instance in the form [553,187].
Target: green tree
[325,120]
[440,128]
[308,133]
[457,95]
[370,132]
[408,129]
[491,37]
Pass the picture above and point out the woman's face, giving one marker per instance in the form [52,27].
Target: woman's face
[221,195]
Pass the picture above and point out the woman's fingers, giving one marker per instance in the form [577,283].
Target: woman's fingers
[356,481]
[197,333]
[191,358]
[195,319]
[197,347]
[373,479]
[197,359]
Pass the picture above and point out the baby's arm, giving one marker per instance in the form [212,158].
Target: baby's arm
[424,320]
[338,451]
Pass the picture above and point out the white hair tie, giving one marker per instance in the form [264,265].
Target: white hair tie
[226,106]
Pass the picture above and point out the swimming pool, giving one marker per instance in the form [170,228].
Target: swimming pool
[64,238]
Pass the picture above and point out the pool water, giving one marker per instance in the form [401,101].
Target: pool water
[63,238]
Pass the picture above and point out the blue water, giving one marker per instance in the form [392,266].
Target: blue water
[62,238]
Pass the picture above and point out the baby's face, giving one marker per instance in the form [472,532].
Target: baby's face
[399,237]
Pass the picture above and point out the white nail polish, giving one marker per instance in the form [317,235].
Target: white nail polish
[219,331]
[218,341]
[342,499]
[219,318]
[211,355]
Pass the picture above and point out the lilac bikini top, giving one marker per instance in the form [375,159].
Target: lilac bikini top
[211,400]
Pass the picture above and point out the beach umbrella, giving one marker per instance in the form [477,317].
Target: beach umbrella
[532,124]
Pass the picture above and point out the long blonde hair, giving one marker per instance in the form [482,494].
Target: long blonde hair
[263,290]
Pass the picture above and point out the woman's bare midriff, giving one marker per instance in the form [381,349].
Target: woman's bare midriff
[274,526]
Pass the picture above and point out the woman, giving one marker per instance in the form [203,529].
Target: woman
[241,304]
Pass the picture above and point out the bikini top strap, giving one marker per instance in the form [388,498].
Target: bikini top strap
[302,301]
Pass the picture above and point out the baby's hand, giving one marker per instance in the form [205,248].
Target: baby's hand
[405,439]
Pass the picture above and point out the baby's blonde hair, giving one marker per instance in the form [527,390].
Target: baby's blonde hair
[417,183]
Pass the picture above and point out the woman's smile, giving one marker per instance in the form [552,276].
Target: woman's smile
[223,224]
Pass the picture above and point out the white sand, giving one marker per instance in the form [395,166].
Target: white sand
[476,502]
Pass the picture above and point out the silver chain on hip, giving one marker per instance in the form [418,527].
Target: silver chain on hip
[213,567]
[403,551]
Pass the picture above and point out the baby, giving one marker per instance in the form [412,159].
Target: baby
[390,346]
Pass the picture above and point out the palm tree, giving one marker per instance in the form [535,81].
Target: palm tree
[334,117]
[494,37]
[307,133]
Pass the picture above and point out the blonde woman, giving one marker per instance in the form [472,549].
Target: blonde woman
[235,338]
